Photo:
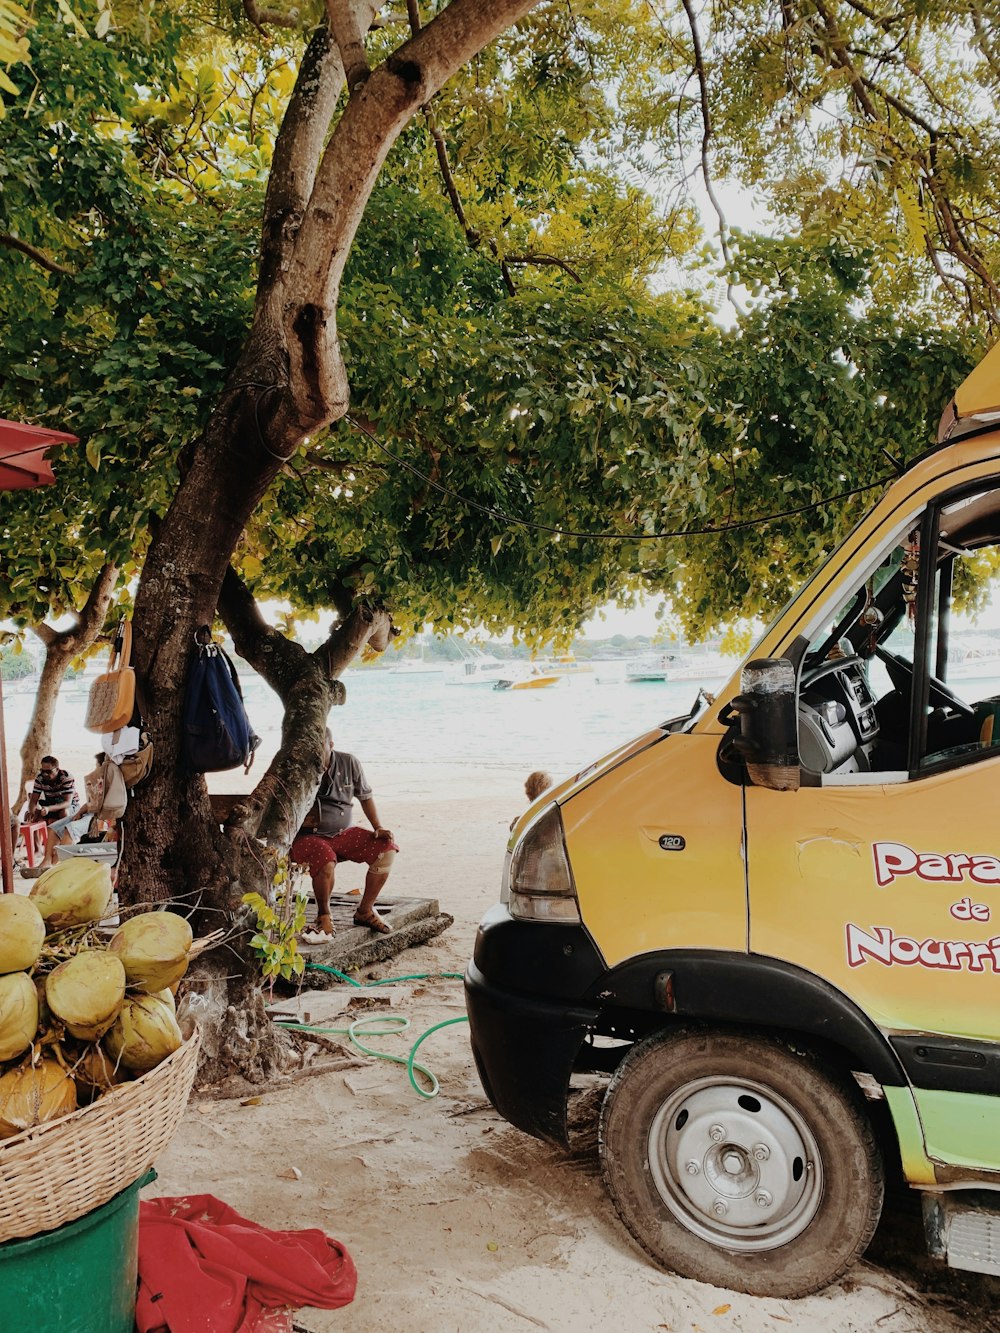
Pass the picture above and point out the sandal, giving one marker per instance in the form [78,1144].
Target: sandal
[373,921]
[321,933]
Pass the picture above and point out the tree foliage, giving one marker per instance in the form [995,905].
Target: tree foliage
[868,124]
[124,330]
[561,393]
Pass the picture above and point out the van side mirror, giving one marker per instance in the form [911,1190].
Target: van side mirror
[768,739]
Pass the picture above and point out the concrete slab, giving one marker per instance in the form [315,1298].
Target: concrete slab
[413,921]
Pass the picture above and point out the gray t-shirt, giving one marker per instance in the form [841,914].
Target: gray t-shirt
[343,780]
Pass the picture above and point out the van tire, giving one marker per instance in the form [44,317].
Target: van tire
[743,1161]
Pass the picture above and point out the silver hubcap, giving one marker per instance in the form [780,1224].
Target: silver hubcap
[736,1164]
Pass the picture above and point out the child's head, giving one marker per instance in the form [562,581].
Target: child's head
[536,783]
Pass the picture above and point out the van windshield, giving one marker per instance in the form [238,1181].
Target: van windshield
[924,625]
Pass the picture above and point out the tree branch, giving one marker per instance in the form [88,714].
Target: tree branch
[451,189]
[271,18]
[337,467]
[39,257]
[706,124]
[270,654]
[950,224]
[347,34]
[441,148]
[370,125]
[60,647]
[505,273]
[297,152]
[838,54]
[885,21]
[367,626]
[44,632]
[948,218]
[90,620]
[552,260]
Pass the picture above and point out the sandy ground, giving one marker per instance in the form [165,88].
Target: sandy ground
[454,1219]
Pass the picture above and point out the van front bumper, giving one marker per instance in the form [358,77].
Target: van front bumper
[525,1049]
[525,1043]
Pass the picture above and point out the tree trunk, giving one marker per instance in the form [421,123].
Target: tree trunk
[290,381]
[61,646]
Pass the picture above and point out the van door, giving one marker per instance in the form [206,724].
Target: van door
[883,875]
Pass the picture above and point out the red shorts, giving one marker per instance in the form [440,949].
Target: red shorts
[317,850]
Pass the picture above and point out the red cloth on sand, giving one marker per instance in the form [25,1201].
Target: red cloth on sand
[205,1269]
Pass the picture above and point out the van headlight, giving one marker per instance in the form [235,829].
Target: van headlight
[540,881]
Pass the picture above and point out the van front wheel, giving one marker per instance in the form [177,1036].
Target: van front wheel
[740,1161]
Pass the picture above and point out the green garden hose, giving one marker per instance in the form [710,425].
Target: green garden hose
[384,1025]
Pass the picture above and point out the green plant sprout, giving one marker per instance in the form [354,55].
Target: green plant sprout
[279,923]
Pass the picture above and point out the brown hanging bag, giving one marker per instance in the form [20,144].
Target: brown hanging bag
[112,696]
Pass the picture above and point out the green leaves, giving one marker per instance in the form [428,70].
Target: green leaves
[601,400]
[130,347]
[279,924]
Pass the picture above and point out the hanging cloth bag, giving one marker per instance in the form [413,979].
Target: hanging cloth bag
[217,731]
[112,695]
[137,766]
[110,792]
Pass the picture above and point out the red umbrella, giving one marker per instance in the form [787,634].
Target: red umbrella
[23,465]
[22,455]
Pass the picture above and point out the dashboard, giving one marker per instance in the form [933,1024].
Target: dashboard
[838,726]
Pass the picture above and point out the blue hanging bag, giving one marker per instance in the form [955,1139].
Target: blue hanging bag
[217,731]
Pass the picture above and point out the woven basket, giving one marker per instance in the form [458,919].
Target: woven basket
[62,1170]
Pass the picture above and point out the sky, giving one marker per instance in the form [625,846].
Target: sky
[613,620]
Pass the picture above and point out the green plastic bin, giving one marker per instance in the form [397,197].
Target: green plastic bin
[80,1278]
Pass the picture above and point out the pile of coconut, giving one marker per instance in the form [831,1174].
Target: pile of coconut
[80,1013]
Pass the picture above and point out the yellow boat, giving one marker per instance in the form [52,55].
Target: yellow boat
[568,665]
[533,679]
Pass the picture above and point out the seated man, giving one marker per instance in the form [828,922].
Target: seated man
[332,838]
[53,796]
[97,819]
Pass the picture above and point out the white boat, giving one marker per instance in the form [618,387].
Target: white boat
[975,657]
[675,667]
[477,667]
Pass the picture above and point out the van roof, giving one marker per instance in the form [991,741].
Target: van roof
[976,402]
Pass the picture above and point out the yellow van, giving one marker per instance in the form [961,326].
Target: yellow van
[771,921]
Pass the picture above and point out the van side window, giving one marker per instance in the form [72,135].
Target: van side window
[960,720]
[907,677]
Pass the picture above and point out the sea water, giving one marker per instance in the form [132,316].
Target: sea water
[561,728]
[427,719]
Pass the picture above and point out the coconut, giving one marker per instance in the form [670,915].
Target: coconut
[86,992]
[73,893]
[18,1014]
[34,1094]
[154,949]
[22,933]
[44,1014]
[95,1073]
[143,1034]
[167,996]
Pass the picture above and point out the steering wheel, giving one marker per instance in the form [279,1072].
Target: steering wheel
[828,668]
[901,674]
